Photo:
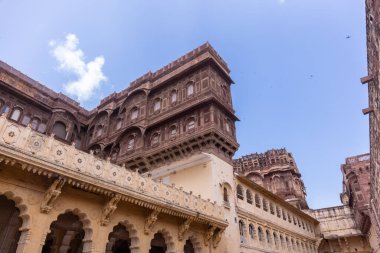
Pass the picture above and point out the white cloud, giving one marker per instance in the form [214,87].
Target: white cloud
[281,1]
[71,59]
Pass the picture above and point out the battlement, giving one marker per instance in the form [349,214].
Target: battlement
[358,159]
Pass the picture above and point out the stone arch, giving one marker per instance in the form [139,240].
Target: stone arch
[131,132]
[19,203]
[22,213]
[98,116]
[169,241]
[133,235]
[132,98]
[226,188]
[196,241]
[86,226]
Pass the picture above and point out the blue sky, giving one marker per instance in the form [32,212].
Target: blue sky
[296,75]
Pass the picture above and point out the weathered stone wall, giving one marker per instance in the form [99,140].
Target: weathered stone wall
[373,46]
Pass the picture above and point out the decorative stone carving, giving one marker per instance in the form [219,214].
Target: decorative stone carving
[108,209]
[52,194]
[183,228]
[151,220]
[209,234]
[217,237]
[36,142]
[11,134]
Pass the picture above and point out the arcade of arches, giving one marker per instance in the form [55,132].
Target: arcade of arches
[67,234]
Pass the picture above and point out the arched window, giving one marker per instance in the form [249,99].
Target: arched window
[131,143]
[191,124]
[242,231]
[59,130]
[225,195]
[271,208]
[99,131]
[283,214]
[282,242]
[41,128]
[257,200]
[173,131]
[269,238]
[249,196]
[34,123]
[265,205]
[155,139]
[190,89]
[289,218]
[16,114]
[227,124]
[278,211]
[252,231]
[173,96]
[275,239]
[239,192]
[4,109]
[118,123]
[288,244]
[134,113]
[157,105]
[260,234]
[25,120]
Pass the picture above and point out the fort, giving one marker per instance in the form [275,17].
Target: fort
[152,169]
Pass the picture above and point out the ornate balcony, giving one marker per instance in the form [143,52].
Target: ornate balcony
[44,155]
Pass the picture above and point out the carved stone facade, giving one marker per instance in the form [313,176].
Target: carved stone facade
[277,171]
[182,109]
[149,170]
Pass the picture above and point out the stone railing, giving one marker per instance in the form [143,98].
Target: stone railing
[65,160]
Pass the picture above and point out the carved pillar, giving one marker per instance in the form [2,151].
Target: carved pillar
[110,244]
[65,244]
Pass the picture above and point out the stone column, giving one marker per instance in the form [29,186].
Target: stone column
[99,239]
[33,238]
[65,245]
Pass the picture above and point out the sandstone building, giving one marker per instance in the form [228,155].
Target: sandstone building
[277,171]
[372,80]
[151,170]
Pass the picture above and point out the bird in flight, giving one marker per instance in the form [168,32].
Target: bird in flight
[348,37]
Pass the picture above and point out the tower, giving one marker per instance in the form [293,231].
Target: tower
[275,170]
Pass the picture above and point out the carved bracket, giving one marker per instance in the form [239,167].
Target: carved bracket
[183,228]
[217,237]
[151,220]
[108,209]
[52,194]
[209,234]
